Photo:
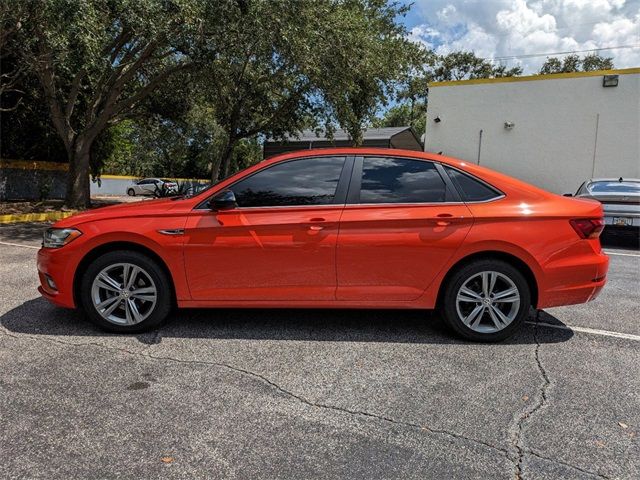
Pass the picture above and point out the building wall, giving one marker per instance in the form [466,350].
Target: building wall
[29,180]
[566,129]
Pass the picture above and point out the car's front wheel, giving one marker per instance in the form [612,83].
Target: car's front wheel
[131,192]
[486,300]
[126,292]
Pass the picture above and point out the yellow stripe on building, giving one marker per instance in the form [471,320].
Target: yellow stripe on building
[34,217]
[129,177]
[33,165]
[531,78]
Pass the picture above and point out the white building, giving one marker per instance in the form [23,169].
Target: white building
[554,131]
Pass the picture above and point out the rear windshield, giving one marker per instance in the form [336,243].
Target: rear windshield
[614,187]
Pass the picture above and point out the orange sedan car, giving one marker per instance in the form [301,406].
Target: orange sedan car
[336,228]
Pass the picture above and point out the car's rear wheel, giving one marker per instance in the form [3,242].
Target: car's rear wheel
[486,300]
[131,192]
[125,291]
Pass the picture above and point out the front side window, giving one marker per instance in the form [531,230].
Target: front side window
[309,181]
[471,189]
[400,180]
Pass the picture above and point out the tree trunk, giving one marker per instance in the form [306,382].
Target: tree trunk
[356,135]
[225,162]
[215,168]
[78,194]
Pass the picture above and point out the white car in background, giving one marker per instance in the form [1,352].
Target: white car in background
[150,186]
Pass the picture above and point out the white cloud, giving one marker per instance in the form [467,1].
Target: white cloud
[501,28]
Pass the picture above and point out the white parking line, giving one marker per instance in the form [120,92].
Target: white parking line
[592,331]
[19,245]
[622,254]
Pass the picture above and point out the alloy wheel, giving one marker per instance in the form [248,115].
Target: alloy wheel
[488,302]
[124,294]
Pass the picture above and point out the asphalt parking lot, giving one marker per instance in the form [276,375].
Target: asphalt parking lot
[316,394]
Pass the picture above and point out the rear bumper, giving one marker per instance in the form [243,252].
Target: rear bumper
[576,279]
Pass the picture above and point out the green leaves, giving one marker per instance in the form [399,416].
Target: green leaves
[573,63]
[258,68]
[465,65]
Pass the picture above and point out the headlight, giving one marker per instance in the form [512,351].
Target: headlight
[59,237]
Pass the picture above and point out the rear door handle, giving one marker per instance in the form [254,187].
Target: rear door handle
[316,228]
[443,219]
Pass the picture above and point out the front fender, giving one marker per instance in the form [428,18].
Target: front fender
[100,236]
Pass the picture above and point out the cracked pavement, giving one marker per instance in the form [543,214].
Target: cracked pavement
[315,394]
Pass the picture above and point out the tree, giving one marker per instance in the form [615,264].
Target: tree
[11,18]
[282,69]
[257,68]
[403,115]
[375,59]
[97,61]
[573,63]
[594,62]
[465,65]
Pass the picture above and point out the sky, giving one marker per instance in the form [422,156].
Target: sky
[496,29]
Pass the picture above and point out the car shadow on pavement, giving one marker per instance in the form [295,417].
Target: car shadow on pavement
[38,317]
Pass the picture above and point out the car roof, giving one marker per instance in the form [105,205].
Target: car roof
[355,151]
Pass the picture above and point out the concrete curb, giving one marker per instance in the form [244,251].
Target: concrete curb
[34,217]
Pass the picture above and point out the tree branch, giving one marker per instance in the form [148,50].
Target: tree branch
[130,102]
[281,110]
[44,71]
[73,95]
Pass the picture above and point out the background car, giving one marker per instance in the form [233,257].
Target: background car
[334,228]
[150,186]
[620,198]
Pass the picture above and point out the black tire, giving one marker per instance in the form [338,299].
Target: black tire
[448,304]
[131,192]
[156,315]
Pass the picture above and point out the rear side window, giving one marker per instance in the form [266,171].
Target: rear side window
[472,190]
[400,180]
[309,181]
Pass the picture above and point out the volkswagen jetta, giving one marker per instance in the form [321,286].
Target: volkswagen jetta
[338,228]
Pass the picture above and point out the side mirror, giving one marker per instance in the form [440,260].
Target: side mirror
[223,201]
[567,194]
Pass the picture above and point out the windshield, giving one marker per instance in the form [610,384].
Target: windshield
[614,186]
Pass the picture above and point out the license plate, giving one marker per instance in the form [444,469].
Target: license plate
[622,221]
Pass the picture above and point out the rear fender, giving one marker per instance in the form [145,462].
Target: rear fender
[430,297]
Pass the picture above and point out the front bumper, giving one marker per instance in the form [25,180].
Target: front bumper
[57,265]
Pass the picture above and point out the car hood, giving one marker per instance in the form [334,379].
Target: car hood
[142,208]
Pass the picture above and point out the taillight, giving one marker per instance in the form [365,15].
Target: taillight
[588,227]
